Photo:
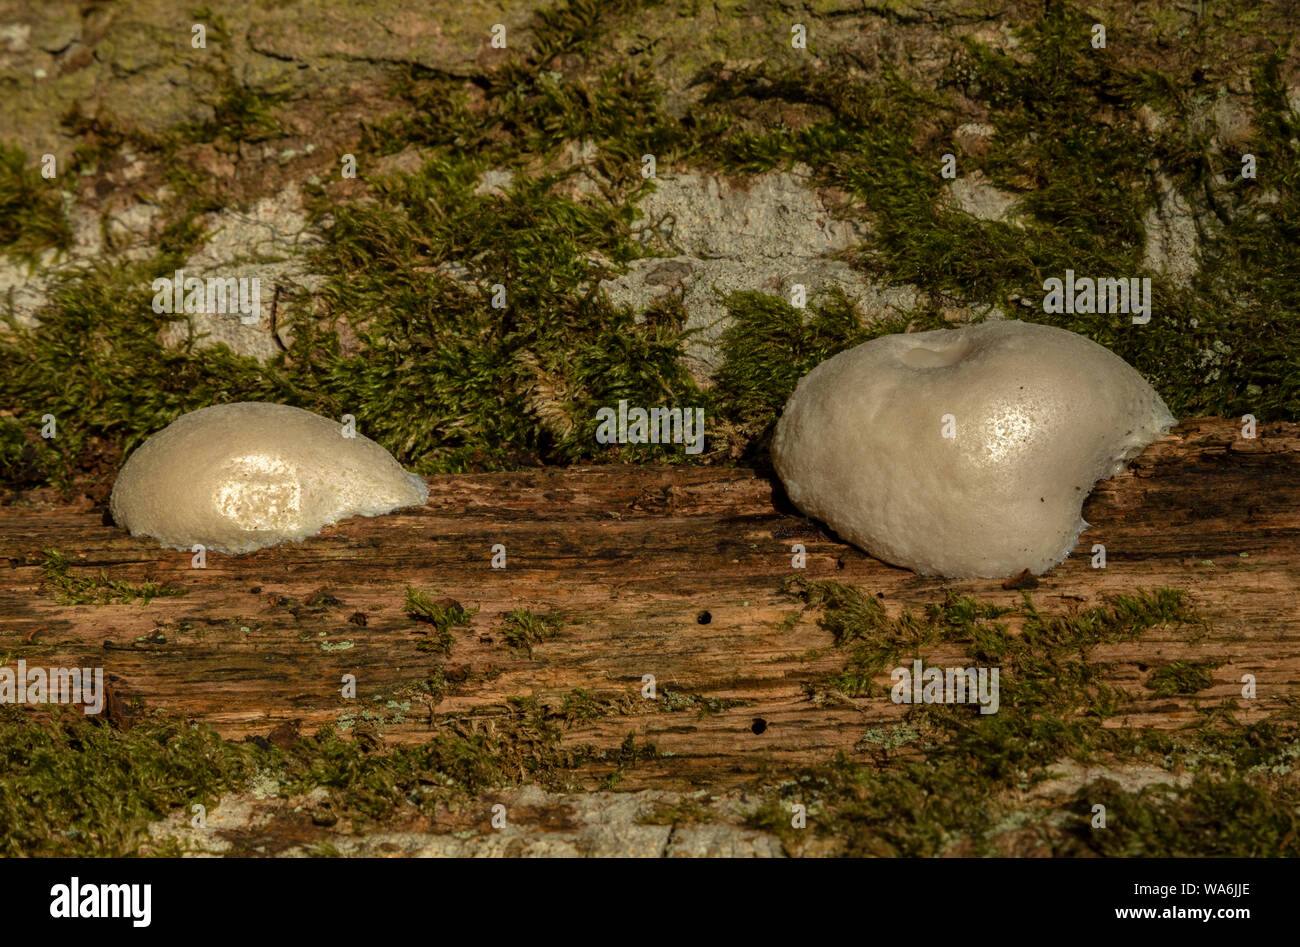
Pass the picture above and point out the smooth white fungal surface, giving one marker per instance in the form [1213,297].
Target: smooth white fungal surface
[964,452]
[239,477]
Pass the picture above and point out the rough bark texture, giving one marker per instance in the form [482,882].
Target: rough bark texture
[673,572]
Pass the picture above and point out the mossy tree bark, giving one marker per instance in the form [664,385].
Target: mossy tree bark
[670,572]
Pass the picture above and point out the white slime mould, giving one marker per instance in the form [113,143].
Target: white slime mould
[239,477]
[964,452]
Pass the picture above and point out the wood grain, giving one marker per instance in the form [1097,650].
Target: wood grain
[633,558]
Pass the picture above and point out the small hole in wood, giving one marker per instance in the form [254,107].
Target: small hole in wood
[704,618]
[758,726]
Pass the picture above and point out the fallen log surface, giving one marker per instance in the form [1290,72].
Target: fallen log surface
[673,572]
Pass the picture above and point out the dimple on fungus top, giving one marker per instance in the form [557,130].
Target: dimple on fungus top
[963,452]
[239,477]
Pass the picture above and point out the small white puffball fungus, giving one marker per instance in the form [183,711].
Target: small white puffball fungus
[239,477]
[964,452]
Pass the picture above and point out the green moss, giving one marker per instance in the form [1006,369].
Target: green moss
[370,782]
[576,26]
[97,366]
[68,589]
[26,458]
[686,811]
[522,630]
[1181,677]
[442,379]
[963,613]
[941,777]
[580,704]
[935,782]
[450,384]
[770,345]
[100,138]
[241,113]
[1213,817]
[75,787]
[31,209]
[533,110]
[436,685]
[848,613]
[878,642]
[442,614]
[1070,144]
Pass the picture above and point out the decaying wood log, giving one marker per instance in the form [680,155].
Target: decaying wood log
[673,572]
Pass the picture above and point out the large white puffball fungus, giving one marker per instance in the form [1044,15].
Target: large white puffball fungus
[239,477]
[964,452]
